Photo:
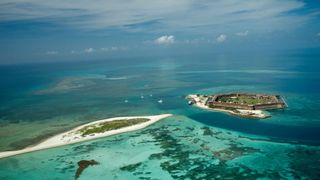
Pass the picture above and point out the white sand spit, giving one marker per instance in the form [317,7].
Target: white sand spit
[74,136]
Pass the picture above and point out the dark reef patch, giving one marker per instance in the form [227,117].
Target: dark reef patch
[83,149]
[207,131]
[131,167]
[83,164]
[305,163]
[185,162]
[233,152]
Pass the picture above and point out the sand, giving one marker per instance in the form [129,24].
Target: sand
[74,136]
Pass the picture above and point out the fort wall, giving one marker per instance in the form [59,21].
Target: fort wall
[276,102]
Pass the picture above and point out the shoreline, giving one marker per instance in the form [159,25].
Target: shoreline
[73,136]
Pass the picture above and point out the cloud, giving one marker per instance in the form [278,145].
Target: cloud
[73,52]
[165,40]
[244,33]
[88,50]
[52,52]
[113,48]
[104,49]
[156,15]
[221,38]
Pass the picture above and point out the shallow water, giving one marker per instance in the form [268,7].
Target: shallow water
[40,100]
[175,148]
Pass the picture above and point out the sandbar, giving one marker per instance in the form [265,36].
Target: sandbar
[74,135]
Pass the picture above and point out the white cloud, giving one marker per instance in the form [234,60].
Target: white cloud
[104,49]
[156,15]
[88,50]
[52,52]
[166,39]
[221,38]
[244,33]
[114,48]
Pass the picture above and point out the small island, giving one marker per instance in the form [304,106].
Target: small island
[90,131]
[241,104]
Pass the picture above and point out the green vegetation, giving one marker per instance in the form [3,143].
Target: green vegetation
[111,125]
[212,106]
[246,99]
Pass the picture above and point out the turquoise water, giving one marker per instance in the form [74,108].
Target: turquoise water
[38,101]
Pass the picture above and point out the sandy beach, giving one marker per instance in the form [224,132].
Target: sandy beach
[74,136]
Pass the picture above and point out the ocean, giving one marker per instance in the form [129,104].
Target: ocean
[40,100]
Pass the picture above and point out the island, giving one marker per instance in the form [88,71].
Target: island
[90,131]
[241,104]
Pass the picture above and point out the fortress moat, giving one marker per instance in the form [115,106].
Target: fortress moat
[242,104]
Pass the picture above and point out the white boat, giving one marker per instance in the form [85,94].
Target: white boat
[160,101]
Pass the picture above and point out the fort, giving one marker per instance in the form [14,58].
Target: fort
[241,104]
[246,101]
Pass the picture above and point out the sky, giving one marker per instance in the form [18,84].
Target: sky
[57,30]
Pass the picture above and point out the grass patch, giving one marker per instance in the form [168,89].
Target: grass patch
[246,99]
[111,125]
